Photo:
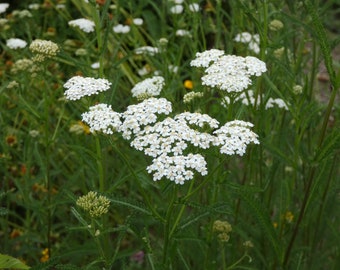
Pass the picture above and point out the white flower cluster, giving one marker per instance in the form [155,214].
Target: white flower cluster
[78,87]
[43,49]
[247,98]
[253,41]
[234,137]
[137,21]
[149,87]
[148,50]
[143,114]
[203,59]
[188,97]
[177,168]
[183,33]
[84,24]
[178,8]
[121,29]
[3,7]
[102,118]
[16,43]
[229,73]
[171,135]
[278,102]
[165,140]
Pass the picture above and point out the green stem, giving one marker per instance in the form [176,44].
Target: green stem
[97,240]
[224,263]
[181,211]
[97,22]
[145,197]
[167,224]
[310,177]
[204,182]
[99,160]
[238,261]
[47,150]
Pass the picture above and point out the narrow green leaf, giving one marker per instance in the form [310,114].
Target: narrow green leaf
[7,262]
[263,217]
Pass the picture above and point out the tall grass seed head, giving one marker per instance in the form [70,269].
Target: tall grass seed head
[96,205]
[78,87]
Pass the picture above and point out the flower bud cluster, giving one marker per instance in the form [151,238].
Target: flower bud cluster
[43,49]
[223,228]
[95,205]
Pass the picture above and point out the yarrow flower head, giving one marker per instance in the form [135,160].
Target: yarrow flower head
[253,41]
[16,43]
[188,97]
[138,21]
[276,25]
[25,65]
[229,73]
[148,88]
[95,205]
[172,135]
[84,24]
[176,9]
[121,29]
[194,7]
[166,140]
[102,118]
[183,33]
[78,87]
[143,114]
[223,228]
[147,50]
[278,102]
[203,59]
[247,98]
[3,7]
[234,137]
[177,168]
[43,49]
